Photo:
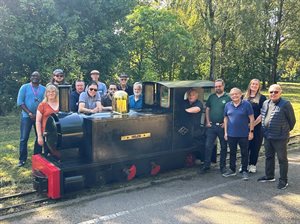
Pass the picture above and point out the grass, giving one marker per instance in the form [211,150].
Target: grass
[14,179]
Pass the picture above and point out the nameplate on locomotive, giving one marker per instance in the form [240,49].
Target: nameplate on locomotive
[136,136]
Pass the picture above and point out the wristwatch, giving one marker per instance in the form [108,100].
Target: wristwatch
[252,131]
[30,114]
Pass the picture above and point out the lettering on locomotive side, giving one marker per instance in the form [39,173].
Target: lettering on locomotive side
[136,136]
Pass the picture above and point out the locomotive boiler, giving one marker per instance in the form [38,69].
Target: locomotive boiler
[123,144]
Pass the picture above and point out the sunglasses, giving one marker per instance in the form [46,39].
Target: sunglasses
[59,76]
[92,89]
[275,92]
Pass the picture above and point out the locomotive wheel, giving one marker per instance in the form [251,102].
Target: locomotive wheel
[155,168]
[190,160]
[130,172]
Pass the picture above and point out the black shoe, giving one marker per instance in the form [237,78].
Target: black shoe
[203,170]
[21,163]
[282,185]
[266,179]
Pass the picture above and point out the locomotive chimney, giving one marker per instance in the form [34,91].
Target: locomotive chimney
[64,98]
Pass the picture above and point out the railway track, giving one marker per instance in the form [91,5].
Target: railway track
[20,201]
[30,199]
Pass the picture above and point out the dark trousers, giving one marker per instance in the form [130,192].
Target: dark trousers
[25,128]
[280,147]
[243,142]
[211,135]
[255,144]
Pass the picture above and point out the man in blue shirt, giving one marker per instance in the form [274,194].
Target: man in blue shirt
[136,100]
[29,97]
[102,89]
[74,97]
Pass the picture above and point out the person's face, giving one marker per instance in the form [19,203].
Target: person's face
[95,76]
[192,97]
[59,77]
[112,89]
[137,90]
[35,78]
[219,88]
[51,94]
[93,90]
[274,93]
[79,86]
[235,96]
[123,80]
[254,86]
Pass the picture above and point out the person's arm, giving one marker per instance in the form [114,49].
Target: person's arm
[38,124]
[207,110]
[251,125]
[257,120]
[193,110]
[225,127]
[290,115]
[82,109]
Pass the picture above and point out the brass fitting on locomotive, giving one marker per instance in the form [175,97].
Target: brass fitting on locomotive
[120,102]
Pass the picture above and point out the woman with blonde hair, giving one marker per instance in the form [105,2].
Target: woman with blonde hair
[256,99]
[48,106]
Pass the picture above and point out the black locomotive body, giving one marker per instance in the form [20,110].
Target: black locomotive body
[109,146]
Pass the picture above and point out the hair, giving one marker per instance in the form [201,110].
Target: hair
[276,86]
[92,83]
[235,89]
[220,80]
[138,84]
[50,87]
[192,90]
[257,94]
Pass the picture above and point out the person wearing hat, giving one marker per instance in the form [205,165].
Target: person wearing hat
[58,77]
[102,89]
[123,79]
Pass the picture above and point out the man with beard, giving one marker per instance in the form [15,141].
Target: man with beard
[106,100]
[136,100]
[29,97]
[214,115]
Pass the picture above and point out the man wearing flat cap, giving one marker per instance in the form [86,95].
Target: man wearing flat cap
[123,79]
[102,89]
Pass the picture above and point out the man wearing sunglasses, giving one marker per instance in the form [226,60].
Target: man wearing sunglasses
[278,119]
[58,77]
[106,100]
[123,79]
[90,100]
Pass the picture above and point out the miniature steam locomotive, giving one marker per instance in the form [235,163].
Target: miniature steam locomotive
[119,145]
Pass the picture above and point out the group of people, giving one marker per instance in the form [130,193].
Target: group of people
[38,102]
[244,120]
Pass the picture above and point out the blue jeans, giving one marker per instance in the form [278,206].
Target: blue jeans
[211,135]
[25,128]
[243,143]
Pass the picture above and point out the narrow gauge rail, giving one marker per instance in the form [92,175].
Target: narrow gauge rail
[23,200]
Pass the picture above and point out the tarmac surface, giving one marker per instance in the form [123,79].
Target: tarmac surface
[183,198]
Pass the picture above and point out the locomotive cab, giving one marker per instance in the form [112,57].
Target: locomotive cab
[114,146]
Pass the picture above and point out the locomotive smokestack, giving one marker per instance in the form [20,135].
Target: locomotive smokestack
[64,98]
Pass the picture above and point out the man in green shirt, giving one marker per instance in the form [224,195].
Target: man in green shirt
[214,115]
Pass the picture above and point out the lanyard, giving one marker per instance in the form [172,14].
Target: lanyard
[35,93]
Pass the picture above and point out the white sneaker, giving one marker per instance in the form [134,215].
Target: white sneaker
[252,169]
[240,169]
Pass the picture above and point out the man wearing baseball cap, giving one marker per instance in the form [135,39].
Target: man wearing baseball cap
[123,79]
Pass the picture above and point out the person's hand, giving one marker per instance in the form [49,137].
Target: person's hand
[208,125]
[250,136]
[226,137]
[40,140]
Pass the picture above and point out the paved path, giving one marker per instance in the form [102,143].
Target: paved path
[209,198]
